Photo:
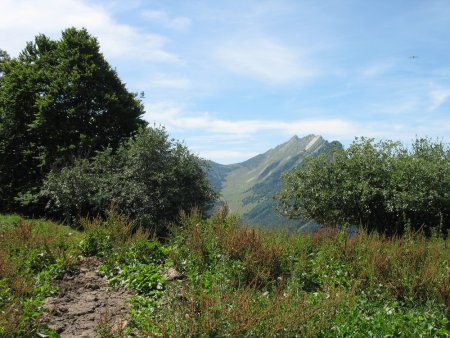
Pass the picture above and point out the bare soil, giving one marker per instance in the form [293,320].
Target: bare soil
[85,302]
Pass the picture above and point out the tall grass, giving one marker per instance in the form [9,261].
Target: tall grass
[243,282]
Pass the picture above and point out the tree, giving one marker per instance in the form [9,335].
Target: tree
[4,57]
[59,100]
[149,178]
[380,186]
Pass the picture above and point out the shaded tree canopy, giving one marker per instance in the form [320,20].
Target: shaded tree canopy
[382,186]
[58,100]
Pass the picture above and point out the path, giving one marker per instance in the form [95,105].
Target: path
[85,301]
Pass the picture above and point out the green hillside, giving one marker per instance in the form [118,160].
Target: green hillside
[248,187]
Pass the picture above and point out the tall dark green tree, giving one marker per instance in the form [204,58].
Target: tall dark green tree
[59,100]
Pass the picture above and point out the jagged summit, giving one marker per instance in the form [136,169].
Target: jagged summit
[248,187]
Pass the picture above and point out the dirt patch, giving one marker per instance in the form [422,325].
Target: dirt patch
[85,301]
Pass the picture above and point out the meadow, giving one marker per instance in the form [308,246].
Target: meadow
[232,281]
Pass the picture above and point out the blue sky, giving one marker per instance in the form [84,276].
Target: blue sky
[234,78]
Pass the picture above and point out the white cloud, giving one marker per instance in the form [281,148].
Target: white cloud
[402,106]
[439,97]
[21,20]
[231,141]
[227,156]
[172,117]
[264,59]
[180,23]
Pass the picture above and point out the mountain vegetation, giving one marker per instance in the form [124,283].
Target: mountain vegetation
[249,187]
[72,141]
[149,178]
[382,186]
[230,280]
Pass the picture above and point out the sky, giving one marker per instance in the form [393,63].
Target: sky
[232,79]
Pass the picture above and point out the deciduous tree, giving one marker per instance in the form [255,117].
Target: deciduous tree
[59,100]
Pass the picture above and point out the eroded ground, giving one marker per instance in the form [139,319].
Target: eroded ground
[85,303]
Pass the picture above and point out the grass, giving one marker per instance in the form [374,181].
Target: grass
[32,254]
[236,281]
[241,282]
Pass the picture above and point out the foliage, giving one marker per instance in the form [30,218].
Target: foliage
[145,278]
[329,285]
[240,282]
[58,100]
[32,255]
[101,236]
[150,178]
[250,186]
[380,186]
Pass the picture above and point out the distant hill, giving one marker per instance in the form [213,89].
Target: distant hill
[248,187]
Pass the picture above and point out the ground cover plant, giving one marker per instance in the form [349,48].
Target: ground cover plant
[241,282]
[237,281]
[33,253]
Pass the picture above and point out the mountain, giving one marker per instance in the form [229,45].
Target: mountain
[248,187]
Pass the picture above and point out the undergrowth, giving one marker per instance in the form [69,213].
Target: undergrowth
[235,281]
[32,254]
[242,282]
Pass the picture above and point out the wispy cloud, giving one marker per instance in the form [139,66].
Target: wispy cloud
[172,116]
[399,106]
[264,59]
[23,19]
[230,141]
[438,97]
[180,23]
[227,155]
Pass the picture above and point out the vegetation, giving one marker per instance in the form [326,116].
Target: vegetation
[241,282]
[33,253]
[71,136]
[380,186]
[236,281]
[249,187]
[59,100]
[149,178]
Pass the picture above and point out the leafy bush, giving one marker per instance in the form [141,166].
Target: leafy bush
[150,178]
[379,186]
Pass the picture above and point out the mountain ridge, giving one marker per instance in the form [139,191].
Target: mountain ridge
[248,187]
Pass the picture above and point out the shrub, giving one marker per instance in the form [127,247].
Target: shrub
[380,186]
[150,178]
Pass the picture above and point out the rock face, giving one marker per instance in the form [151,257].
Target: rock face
[85,302]
[248,187]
